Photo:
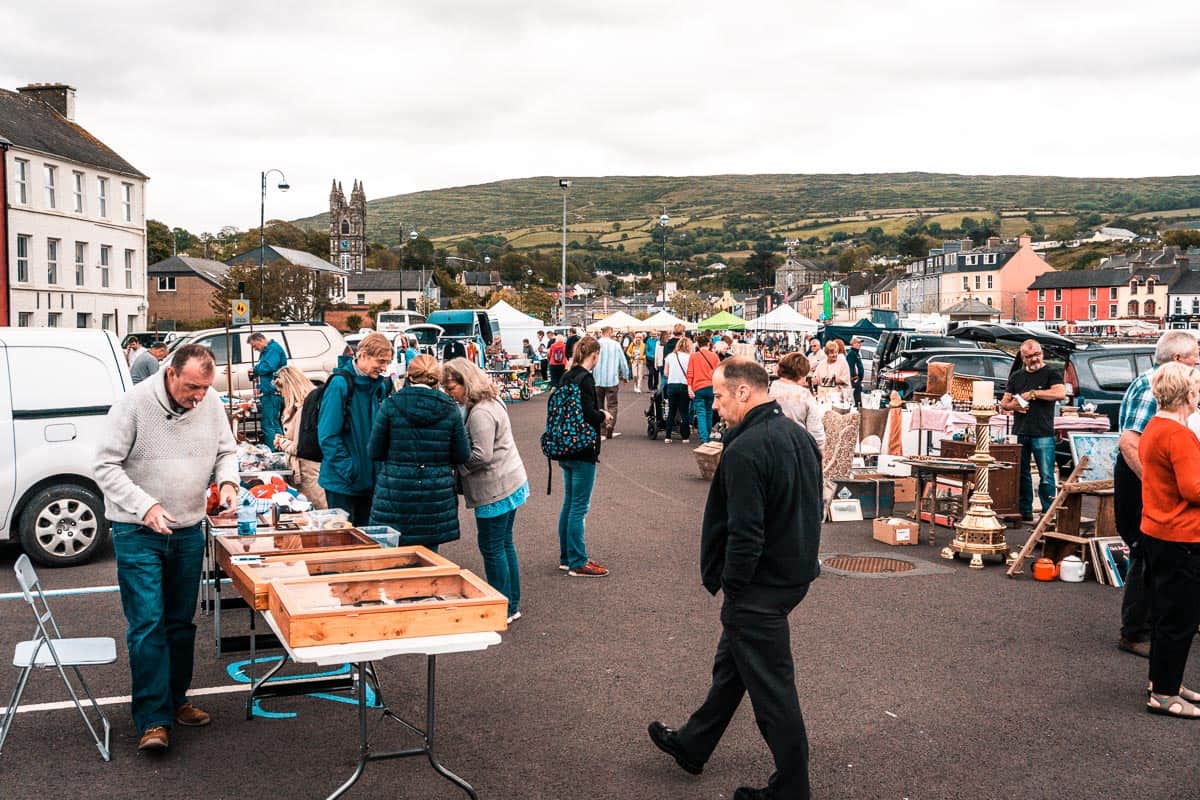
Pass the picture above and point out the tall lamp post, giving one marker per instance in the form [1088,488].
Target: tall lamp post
[662,223]
[565,185]
[262,223]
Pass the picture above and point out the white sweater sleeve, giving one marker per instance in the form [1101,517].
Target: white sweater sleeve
[115,446]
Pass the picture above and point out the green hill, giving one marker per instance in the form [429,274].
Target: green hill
[788,202]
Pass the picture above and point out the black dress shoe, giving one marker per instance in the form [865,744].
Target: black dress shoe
[665,739]
[750,793]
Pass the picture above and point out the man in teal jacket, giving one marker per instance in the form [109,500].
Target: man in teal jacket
[348,409]
[271,359]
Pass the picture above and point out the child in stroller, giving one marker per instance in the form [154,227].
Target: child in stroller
[656,417]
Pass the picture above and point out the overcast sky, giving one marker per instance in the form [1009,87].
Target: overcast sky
[410,96]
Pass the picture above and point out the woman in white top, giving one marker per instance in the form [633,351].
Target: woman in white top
[675,376]
[795,399]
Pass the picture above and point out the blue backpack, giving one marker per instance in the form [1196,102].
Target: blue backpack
[567,432]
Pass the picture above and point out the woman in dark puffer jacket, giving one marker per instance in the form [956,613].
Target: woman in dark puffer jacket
[418,438]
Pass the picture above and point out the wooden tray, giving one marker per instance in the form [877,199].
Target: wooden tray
[292,543]
[363,607]
[252,578]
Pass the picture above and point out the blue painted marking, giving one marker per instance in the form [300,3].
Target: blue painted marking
[236,671]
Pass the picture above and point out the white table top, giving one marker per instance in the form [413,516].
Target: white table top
[332,654]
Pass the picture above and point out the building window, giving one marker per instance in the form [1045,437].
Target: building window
[24,319]
[1058,312]
[166,283]
[23,241]
[22,192]
[977,282]
[127,201]
[51,176]
[1041,312]
[989,300]
[102,197]
[105,255]
[1149,285]
[80,263]
[1092,311]
[77,191]
[129,269]
[1132,309]
[1133,286]
[966,285]
[106,321]
[1149,308]
[1112,311]
[1041,295]
[83,320]
[989,281]
[1112,293]
[52,260]
[1196,305]
[1057,295]
[362,299]
[53,319]
[1178,306]
[1092,293]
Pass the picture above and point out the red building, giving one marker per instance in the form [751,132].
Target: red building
[1077,295]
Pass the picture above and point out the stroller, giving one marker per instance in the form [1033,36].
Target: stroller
[656,417]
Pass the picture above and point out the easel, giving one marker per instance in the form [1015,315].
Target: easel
[1065,513]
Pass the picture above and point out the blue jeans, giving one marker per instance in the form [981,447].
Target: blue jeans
[500,556]
[1041,449]
[578,479]
[703,403]
[159,576]
[271,413]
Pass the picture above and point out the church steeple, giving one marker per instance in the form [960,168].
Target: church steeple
[348,227]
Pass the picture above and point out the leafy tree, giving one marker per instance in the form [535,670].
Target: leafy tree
[761,266]
[689,305]
[289,292]
[1182,238]
[353,322]
[537,302]
[158,242]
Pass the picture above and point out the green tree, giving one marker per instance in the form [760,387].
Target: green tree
[289,292]
[158,242]
[761,266]
[1182,238]
[689,305]
[536,302]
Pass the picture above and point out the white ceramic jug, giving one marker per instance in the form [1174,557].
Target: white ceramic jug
[1071,569]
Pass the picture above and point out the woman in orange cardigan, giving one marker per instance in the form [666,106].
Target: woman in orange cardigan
[1170,455]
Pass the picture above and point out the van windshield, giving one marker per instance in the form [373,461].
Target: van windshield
[458,328]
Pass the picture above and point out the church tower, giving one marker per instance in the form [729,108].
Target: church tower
[348,227]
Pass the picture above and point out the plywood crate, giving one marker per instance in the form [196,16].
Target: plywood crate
[370,607]
[708,456]
[251,578]
[292,542]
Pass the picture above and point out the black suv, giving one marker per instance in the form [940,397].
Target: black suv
[910,371]
[1101,375]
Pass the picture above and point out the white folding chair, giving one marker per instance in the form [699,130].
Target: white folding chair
[45,651]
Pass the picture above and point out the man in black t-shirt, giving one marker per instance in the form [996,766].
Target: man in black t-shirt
[1031,394]
[572,338]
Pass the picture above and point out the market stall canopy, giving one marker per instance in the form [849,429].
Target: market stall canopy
[516,326]
[783,318]
[664,321]
[620,321]
[722,321]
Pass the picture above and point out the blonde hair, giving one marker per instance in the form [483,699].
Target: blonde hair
[684,345]
[1171,384]
[475,382]
[293,386]
[424,369]
[376,345]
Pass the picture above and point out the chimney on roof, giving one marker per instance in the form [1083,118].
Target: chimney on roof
[58,96]
[994,241]
[1024,240]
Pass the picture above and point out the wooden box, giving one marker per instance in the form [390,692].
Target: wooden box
[370,607]
[251,578]
[708,456]
[1003,484]
[876,496]
[293,543]
[904,491]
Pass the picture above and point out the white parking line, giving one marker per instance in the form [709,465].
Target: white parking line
[124,699]
[81,590]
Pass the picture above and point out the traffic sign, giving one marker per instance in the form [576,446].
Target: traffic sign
[241,311]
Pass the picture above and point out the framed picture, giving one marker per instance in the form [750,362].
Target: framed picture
[1101,452]
[845,511]
[1113,559]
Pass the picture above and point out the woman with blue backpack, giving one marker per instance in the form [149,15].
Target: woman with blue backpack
[572,437]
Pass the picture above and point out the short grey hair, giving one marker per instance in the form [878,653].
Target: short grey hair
[257,336]
[1173,344]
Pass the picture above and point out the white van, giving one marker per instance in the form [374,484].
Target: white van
[56,386]
[393,322]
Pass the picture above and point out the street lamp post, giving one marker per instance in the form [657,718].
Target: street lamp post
[565,185]
[662,222]
[262,224]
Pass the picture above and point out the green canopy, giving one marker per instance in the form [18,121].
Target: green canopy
[723,321]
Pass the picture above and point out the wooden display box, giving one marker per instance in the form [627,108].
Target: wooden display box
[1003,484]
[291,543]
[877,497]
[904,491]
[251,579]
[708,456]
[370,607]
[895,531]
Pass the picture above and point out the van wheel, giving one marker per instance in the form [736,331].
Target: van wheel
[63,525]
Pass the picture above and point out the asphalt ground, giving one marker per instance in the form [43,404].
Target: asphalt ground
[960,683]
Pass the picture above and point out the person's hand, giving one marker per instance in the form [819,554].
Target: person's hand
[156,519]
[229,495]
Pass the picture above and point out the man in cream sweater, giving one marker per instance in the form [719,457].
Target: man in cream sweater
[165,439]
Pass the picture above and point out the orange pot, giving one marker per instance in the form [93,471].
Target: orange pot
[1045,570]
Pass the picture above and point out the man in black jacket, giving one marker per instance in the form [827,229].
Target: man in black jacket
[761,532]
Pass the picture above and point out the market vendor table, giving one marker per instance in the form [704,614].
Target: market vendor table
[363,655]
[933,419]
[929,472]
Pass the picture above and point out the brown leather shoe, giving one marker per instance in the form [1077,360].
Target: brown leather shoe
[1137,648]
[154,739]
[187,714]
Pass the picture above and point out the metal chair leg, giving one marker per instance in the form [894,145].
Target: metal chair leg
[13,703]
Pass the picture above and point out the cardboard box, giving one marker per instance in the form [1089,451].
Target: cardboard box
[904,489]
[891,465]
[876,496]
[895,531]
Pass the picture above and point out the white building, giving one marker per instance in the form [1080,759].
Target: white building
[75,219]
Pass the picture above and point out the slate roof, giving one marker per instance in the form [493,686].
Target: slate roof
[481,278]
[1081,279]
[30,124]
[297,257]
[206,268]
[387,280]
[1187,283]
[971,308]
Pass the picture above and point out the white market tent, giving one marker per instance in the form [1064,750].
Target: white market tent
[620,321]
[663,321]
[516,325]
[783,318]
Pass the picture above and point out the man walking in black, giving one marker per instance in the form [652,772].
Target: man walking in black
[761,532]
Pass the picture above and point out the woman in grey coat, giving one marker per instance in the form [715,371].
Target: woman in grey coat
[494,480]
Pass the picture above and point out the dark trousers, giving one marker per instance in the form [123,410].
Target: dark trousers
[652,373]
[857,385]
[1127,508]
[679,405]
[358,506]
[556,373]
[754,656]
[1173,586]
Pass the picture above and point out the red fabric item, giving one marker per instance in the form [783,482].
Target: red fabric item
[700,369]
[1170,456]
[557,354]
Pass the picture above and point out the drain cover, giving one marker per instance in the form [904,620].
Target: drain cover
[867,564]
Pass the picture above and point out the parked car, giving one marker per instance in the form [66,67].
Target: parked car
[313,347]
[1100,375]
[893,343]
[909,372]
[147,338]
[393,322]
[56,386]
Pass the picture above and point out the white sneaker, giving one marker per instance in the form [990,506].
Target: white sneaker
[687,441]
[516,616]
[614,434]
